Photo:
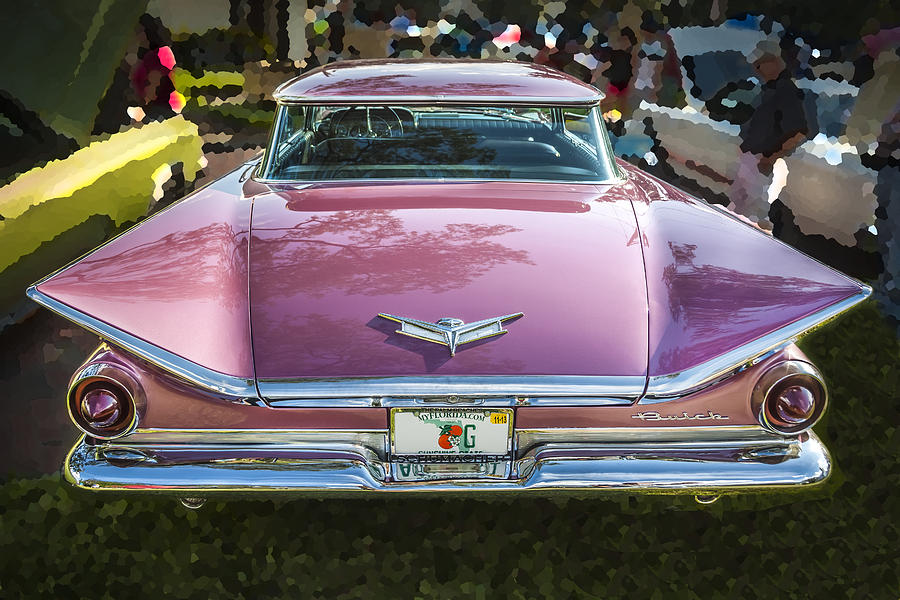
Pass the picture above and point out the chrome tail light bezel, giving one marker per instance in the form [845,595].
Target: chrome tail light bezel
[118,381]
[774,381]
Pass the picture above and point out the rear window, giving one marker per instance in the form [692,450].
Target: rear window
[317,143]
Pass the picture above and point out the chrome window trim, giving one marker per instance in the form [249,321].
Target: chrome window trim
[189,371]
[665,387]
[478,386]
[264,166]
[308,182]
[269,153]
[441,100]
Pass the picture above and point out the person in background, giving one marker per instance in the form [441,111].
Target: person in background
[622,59]
[874,127]
[151,72]
[658,77]
[777,126]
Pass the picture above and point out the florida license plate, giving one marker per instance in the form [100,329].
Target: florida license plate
[443,443]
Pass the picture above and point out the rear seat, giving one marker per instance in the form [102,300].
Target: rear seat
[384,150]
[486,127]
[519,152]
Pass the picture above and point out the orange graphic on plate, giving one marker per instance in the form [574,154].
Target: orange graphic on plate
[449,436]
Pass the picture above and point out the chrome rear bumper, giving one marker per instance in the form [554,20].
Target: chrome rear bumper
[658,467]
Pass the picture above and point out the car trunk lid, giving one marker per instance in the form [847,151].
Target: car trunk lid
[327,258]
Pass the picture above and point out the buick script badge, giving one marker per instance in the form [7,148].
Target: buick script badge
[450,332]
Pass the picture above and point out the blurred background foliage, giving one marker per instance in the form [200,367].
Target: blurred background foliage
[112,109]
[676,74]
[60,58]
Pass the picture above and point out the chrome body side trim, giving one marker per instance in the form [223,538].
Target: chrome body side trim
[732,435]
[479,386]
[191,372]
[374,439]
[665,387]
[326,402]
[347,468]
[573,401]
[440,100]
[452,400]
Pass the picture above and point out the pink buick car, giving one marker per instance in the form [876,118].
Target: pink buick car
[438,278]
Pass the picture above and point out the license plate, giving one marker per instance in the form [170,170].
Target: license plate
[439,443]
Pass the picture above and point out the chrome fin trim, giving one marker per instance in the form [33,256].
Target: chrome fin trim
[665,387]
[189,371]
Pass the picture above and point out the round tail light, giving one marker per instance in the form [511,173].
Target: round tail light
[790,397]
[102,407]
[793,405]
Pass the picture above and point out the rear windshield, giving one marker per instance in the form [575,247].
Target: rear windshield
[318,143]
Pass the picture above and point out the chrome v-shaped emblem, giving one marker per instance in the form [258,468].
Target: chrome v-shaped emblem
[449,331]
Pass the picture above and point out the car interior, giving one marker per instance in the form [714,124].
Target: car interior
[401,142]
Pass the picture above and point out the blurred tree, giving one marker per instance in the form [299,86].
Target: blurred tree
[63,67]
[829,22]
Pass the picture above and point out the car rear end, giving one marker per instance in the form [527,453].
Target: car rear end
[447,443]
[300,325]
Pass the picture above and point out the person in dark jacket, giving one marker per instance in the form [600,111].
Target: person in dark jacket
[777,126]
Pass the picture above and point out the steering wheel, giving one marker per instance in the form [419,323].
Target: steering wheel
[365,123]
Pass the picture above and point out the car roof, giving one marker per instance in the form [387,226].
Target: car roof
[437,81]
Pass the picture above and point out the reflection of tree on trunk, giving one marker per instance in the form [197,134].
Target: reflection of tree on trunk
[447,146]
[707,302]
[202,263]
[325,344]
[373,252]
[375,85]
